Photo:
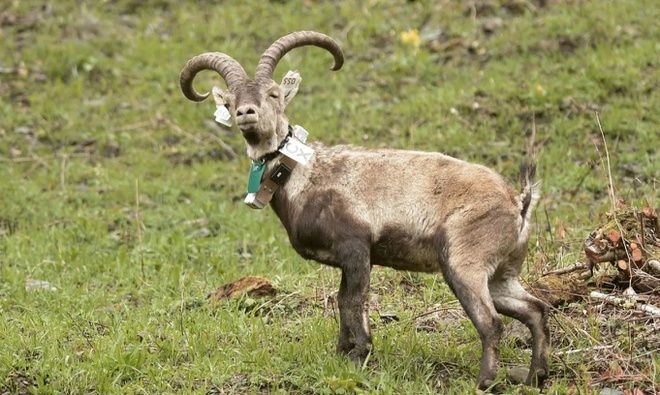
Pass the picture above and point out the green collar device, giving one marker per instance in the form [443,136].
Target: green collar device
[291,151]
[256,173]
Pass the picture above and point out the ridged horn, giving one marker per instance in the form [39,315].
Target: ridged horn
[279,48]
[230,70]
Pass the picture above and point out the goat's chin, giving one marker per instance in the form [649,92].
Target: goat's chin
[251,136]
[262,147]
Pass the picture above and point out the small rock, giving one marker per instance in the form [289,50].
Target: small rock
[517,374]
[26,130]
[35,285]
[432,35]
[654,265]
[244,253]
[142,335]
[14,152]
[201,233]
[197,221]
[490,25]
[387,318]
[519,332]
[611,391]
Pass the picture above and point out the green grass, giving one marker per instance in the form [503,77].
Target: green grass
[112,190]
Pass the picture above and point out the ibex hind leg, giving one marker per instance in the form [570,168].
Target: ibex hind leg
[471,288]
[512,300]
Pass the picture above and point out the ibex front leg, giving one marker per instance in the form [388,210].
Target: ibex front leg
[354,333]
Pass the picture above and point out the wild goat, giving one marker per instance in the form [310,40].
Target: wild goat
[352,208]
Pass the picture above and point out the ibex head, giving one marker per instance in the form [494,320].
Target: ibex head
[256,105]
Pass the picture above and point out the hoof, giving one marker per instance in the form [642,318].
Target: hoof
[359,353]
[485,384]
[536,377]
[492,387]
[345,348]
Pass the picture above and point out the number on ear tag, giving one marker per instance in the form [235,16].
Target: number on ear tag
[290,84]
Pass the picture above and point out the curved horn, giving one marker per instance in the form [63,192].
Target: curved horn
[279,48]
[230,70]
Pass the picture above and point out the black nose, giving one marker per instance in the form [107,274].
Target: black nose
[247,109]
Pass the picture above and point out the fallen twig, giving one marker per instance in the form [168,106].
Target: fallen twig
[568,269]
[611,187]
[595,348]
[646,308]
[435,310]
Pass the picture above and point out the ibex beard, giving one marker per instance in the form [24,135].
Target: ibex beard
[352,208]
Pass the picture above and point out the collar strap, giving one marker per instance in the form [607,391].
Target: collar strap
[271,182]
[272,155]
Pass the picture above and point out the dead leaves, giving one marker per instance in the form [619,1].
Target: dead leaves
[252,286]
[616,374]
[628,240]
[559,289]
[438,317]
[19,382]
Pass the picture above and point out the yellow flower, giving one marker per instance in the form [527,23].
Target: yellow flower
[411,37]
[540,89]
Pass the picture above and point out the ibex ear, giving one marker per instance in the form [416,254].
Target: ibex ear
[289,85]
[219,96]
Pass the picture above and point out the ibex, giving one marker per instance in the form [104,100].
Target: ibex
[352,208]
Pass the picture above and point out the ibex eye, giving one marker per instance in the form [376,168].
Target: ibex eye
[274,95]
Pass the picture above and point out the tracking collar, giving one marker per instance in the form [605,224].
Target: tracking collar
[292,151]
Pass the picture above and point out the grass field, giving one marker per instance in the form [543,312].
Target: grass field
[116,190]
